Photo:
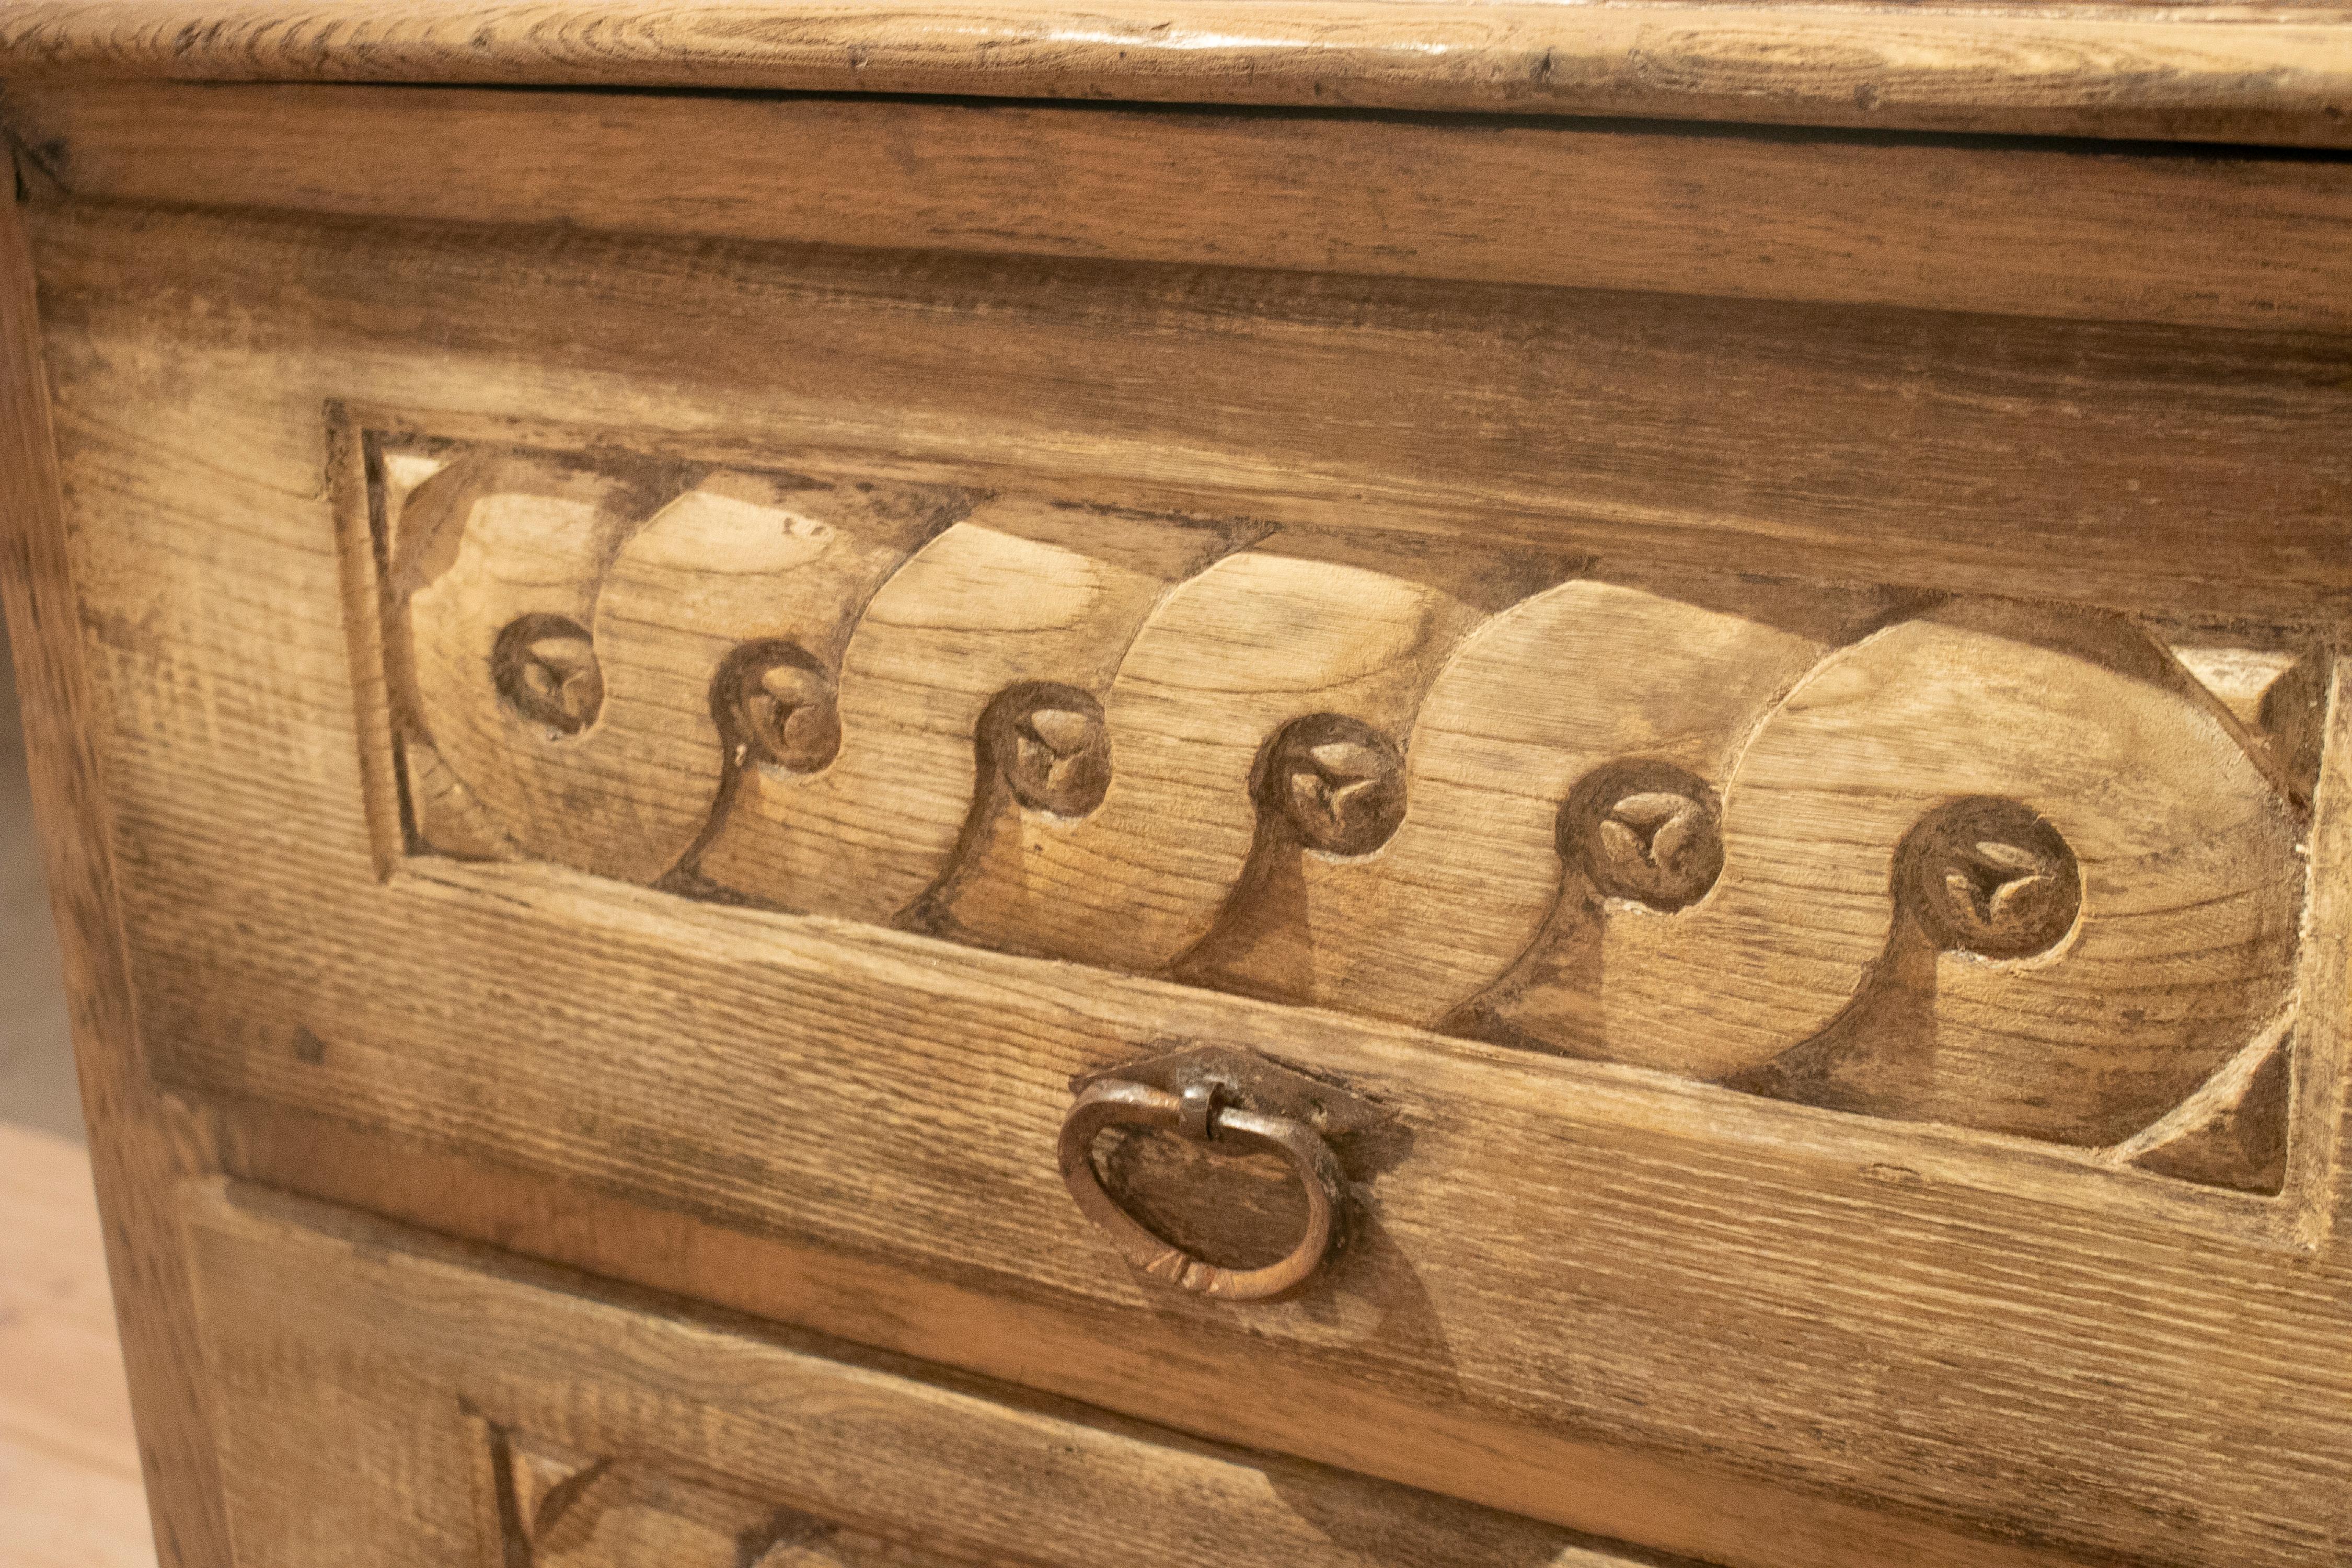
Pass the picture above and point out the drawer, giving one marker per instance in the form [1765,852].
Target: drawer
[392,1400]
[1710,914]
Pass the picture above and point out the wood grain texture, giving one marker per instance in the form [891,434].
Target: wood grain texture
[365,1368]
[1841,1340]
[2252,74]
[1263,637]
[140,1144]
[1506,734]
[2234,1130]
[2084,232]
[1819,812]
[1557,1272]
[558,1508]
[1543,1312]
[1991,865]
[1018,587]
[1039,1344]
[2323,1086]
[1836,445]
[653,607]
[1035,1343]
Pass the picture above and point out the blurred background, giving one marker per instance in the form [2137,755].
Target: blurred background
[36,1081]
[70,1495]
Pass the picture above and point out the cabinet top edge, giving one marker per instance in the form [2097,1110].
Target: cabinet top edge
[2270,72]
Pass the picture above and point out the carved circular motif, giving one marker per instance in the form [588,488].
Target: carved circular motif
[1645,830]
[1990,877]
[1337,782]
[1049,746]
[545,670]
[777,703]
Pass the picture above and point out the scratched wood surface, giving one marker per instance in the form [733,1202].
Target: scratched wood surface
[390,1399]
[1585,1291]
[2258,71]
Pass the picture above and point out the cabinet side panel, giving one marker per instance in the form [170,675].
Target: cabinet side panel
[139,1145]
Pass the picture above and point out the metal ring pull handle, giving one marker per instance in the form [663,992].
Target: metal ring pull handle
[1196,1114]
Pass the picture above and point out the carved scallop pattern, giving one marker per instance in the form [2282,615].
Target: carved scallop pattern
[1997,866]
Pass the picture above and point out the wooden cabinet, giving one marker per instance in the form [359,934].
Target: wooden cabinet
[1366,817]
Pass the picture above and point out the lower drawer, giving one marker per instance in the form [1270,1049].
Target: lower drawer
[390,1399]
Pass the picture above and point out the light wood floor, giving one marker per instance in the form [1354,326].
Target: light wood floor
[69,1490]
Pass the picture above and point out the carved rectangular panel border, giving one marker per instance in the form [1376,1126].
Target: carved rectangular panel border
[2037,870]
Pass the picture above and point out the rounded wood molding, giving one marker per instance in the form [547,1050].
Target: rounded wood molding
[2253,73]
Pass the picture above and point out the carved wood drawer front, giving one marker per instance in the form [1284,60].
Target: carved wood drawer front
[1708,907]
[390,1400]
